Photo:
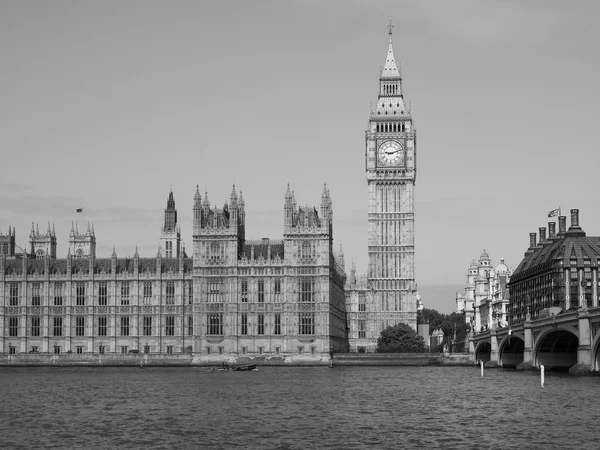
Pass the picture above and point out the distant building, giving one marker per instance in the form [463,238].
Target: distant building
[485,301]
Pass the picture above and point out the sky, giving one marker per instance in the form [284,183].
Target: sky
[107,105]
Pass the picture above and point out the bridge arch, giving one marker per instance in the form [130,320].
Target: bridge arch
[483,352]
[596,353]
[556,348]
[511,351]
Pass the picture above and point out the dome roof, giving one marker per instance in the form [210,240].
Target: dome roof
[473,265]
[502,269]
[484,256]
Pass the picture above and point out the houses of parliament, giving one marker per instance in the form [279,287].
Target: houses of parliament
[231,296]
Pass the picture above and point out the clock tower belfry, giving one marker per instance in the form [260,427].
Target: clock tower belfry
[391,167]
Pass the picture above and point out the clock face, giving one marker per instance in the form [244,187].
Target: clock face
[391,153]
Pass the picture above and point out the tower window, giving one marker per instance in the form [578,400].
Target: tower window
[80,293]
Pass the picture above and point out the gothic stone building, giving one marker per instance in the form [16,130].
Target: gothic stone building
[387,295]
[233,297]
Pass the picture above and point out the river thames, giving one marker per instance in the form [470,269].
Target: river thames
[296,408]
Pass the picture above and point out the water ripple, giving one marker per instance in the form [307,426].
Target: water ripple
[295,408]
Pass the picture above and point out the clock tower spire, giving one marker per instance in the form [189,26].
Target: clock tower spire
[391,175]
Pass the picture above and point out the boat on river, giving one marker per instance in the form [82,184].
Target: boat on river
[244,367]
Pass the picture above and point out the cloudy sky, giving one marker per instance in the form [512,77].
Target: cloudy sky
[106,104]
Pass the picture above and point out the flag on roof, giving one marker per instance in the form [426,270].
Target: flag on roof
[554,212]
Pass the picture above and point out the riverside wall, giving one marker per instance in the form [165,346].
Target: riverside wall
[183,360]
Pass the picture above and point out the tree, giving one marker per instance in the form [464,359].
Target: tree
[400,338]
[433,317]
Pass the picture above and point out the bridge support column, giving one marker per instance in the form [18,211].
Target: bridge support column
[527,363]
[471,348]
[494,356]
[584,350]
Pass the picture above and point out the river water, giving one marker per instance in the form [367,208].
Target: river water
[296,408]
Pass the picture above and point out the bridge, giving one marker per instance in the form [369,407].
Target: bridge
[559,341]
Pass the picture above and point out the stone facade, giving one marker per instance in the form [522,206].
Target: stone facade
[388,291]
[485,301]
[234,297]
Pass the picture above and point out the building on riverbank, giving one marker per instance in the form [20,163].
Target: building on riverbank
[553,312]
[233,296]
[486,298]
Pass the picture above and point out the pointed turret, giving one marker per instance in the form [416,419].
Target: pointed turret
[288,210]
[32,234]
[390,68]
[49,231]
[390,104]
[53,230]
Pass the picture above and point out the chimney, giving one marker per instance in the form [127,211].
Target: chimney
[542,234]
[574,217]
[575,230]
[551,230]
[562,225]
[532,240]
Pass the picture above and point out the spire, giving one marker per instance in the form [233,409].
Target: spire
[205,202]
[241,199]
[114,253]
[136,254]
[197,197]
[93,231]
[233,198]
[88,228]
[390,69]
[53,231]
[37,229]
[77,228]
[49,232]
[32,234]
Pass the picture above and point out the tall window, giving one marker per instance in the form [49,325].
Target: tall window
[147,330]
[57,326]
[214,290]
[103,293]
[190,326]
[306,290]
[214,324]
[306,250]
[147,292]
[277,289]
[170,326]
[362,329]
[244,324]
[244,290]
[80,293]
[125,293]
[261,324]
[277,329]
[190,290]
[13,326]
[102,321]
[362,305]
[306,323]
[35,326]
[35,295]
[124,326]
[14,294]
[58,294]
[261,290]
[170,293]
[79,326]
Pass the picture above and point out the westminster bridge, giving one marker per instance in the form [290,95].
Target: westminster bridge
[557,340]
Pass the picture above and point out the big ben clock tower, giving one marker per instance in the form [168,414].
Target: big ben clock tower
[391,166]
